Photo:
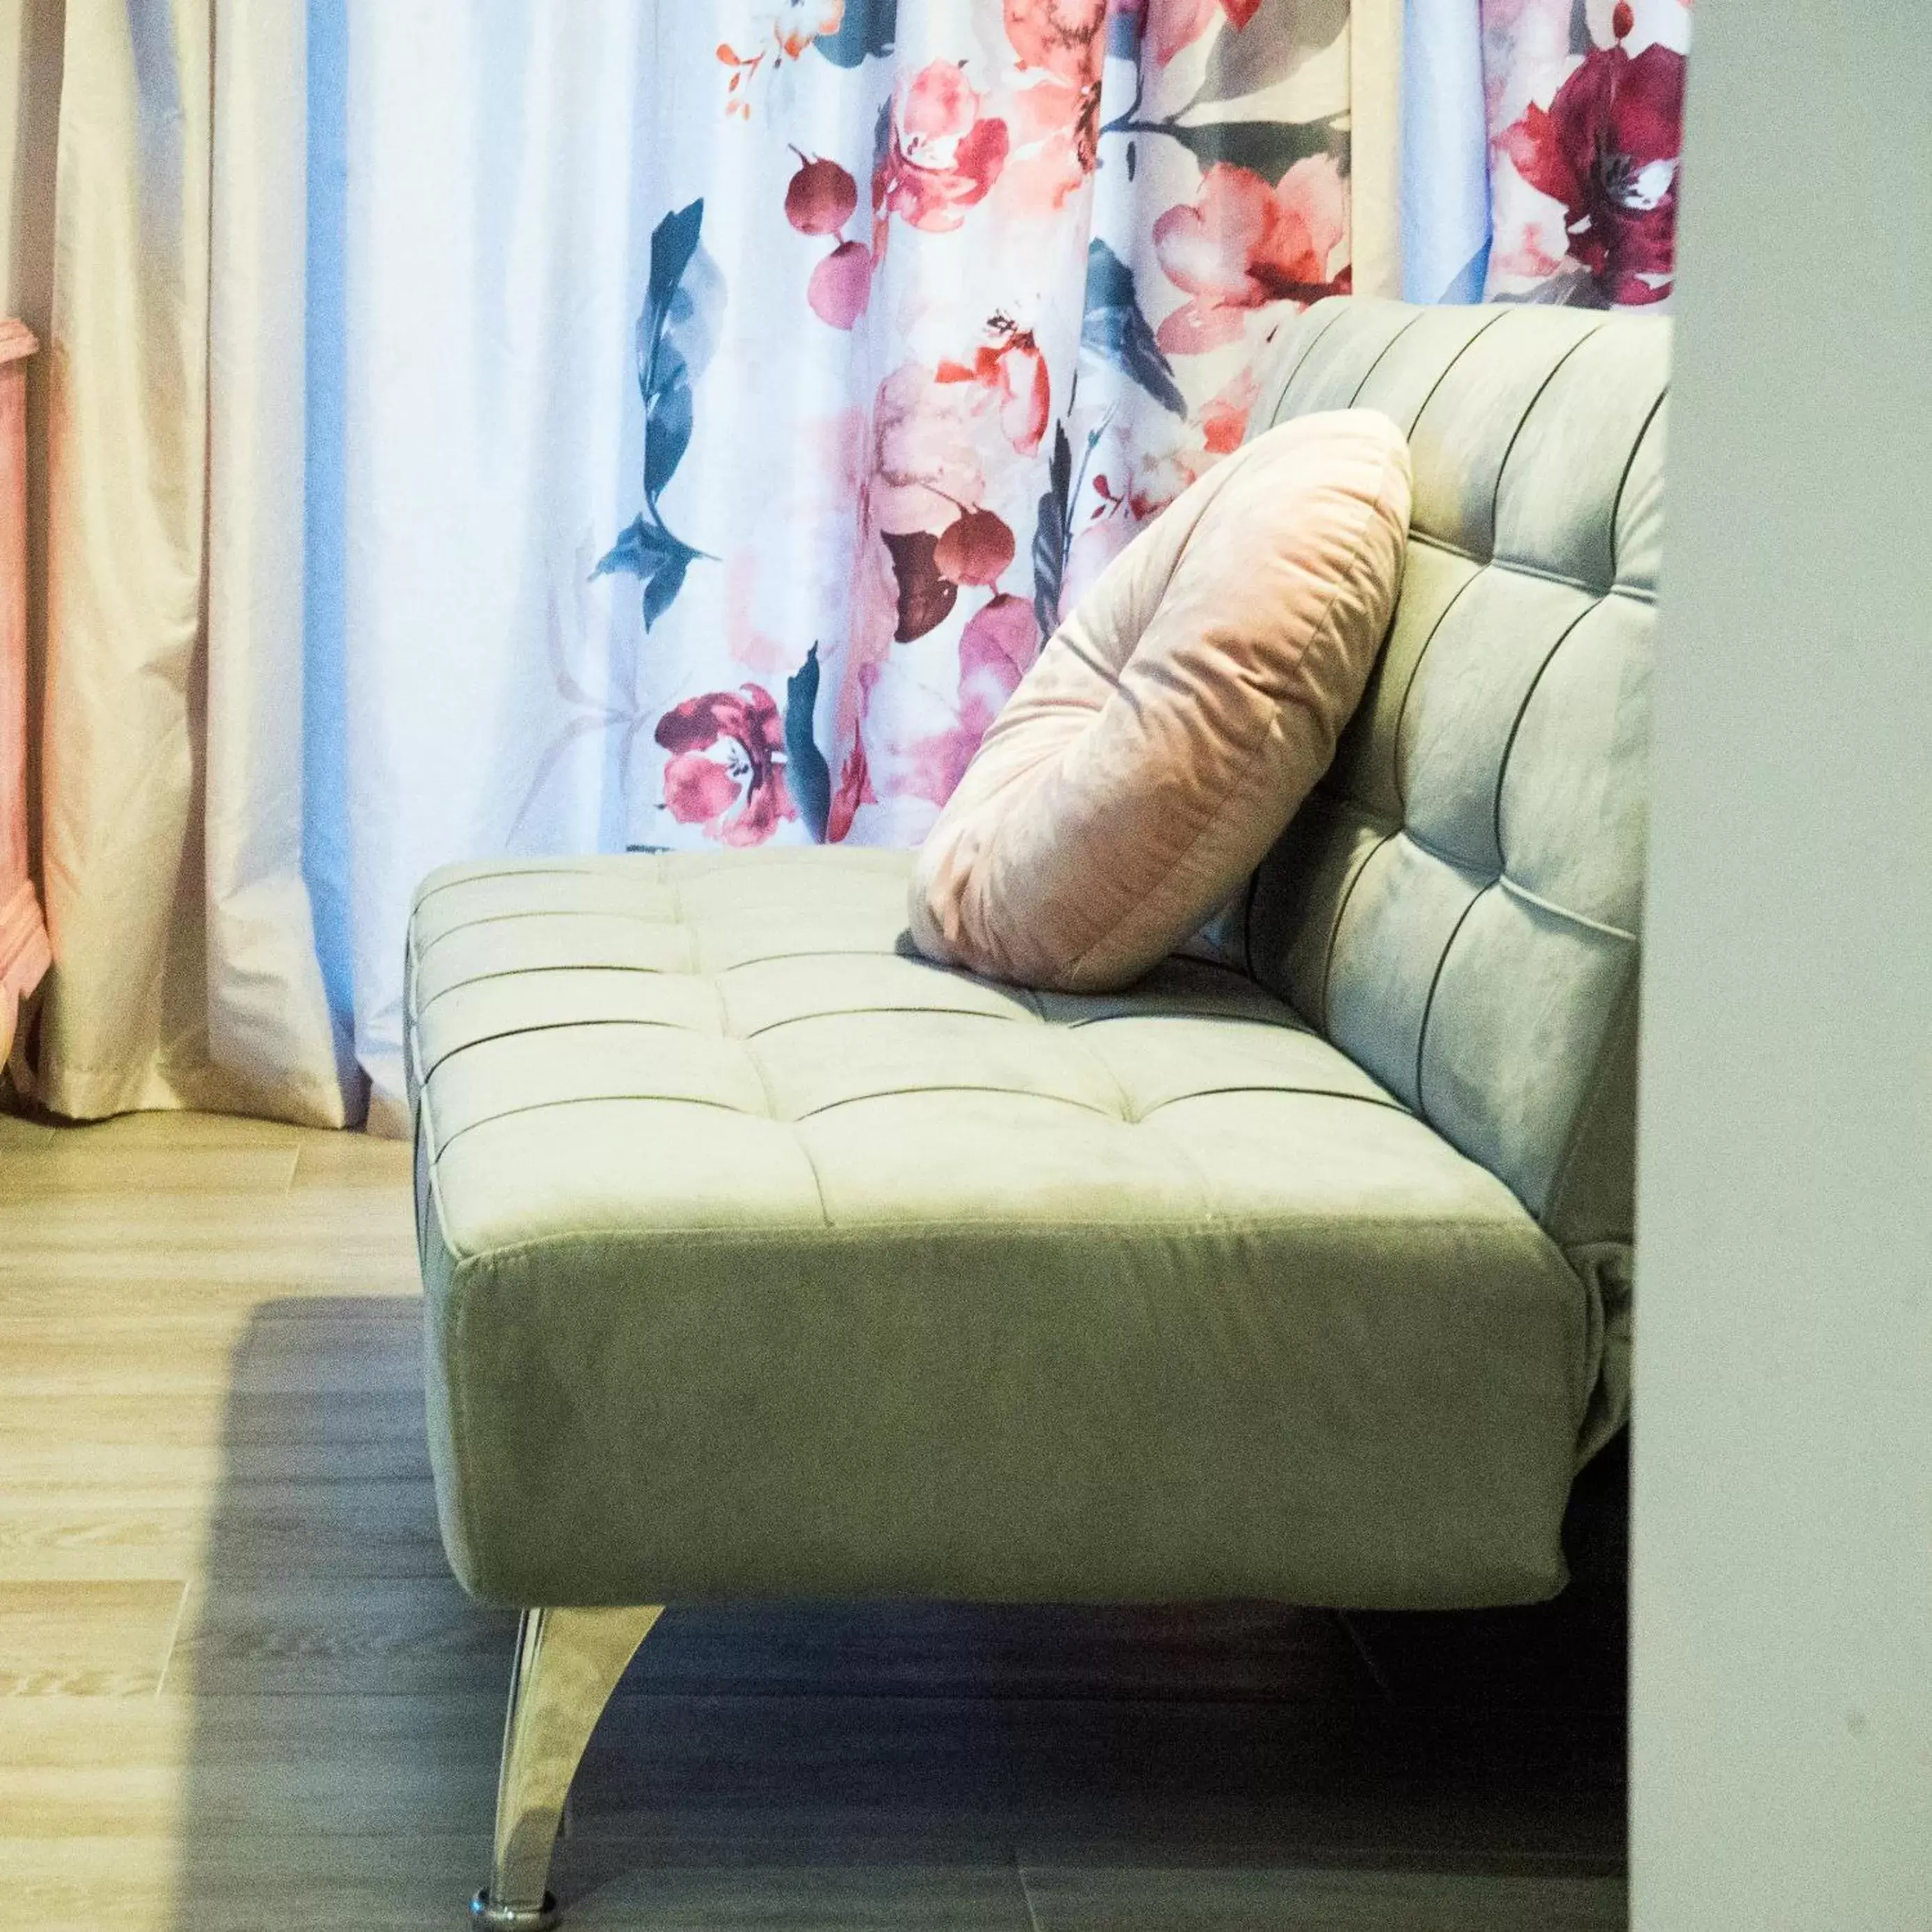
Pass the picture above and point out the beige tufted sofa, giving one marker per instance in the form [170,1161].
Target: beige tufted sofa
[764,1258]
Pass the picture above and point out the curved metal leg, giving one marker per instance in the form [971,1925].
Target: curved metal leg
[568,1664]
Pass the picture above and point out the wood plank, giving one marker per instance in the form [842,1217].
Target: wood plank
[77,1445]
[329,1240]
[354,1160]
[385,1528]
[287,1353]
[313,1634]
[212,1769]
[161,1127]
[83,1163]
[804,1898]
[414,1882]
[85,1639]
[400,1881]
[1202,1652]
[1263,1900]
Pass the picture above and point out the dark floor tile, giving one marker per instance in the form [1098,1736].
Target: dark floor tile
[1139,1899]
[802,1899]
[808,1780]
[1194,1652]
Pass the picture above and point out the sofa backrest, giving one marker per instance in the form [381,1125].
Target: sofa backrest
[1458,907]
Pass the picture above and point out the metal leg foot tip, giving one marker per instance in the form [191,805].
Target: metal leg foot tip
[513,1918]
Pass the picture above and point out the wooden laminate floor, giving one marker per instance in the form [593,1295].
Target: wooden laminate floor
[239,1689]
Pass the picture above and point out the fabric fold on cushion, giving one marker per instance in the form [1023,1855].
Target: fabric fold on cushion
[1176,719]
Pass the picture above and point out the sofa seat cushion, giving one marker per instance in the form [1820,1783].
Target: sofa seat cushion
[764,1257]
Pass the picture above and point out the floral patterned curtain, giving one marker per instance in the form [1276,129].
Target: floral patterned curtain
[942,303]
[1585,106]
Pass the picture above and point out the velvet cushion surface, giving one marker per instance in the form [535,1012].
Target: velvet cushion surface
[1176,719]
[764,1260]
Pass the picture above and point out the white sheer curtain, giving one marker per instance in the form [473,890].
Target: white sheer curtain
[477,288]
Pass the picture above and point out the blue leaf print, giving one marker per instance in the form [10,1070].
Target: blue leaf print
[648,551]
[1051,534]
[807,775]
[674,340]
[1117,331]
[668,416]
[661,587]
[673,242]
[869,27]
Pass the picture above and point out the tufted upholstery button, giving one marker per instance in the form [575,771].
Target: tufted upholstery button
[1458,907]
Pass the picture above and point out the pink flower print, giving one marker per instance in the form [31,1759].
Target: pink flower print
[943,156]
[1243,244]
[1174,24]
[927,462]
[995,648]
[1061,36]
[1060,116]
[1607,149]
[1010,368]
[822,197]
[725,747]
[855,789]
[1224,416]
[842,285]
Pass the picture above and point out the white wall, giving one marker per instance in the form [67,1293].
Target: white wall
[1782,1701]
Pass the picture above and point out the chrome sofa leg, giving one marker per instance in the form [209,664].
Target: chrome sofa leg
[568,1664]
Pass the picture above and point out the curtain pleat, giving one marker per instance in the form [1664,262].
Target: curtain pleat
[184,966]
[1375,145]
[30,32]
[268,1019]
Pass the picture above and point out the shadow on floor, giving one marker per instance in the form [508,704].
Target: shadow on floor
[903,1765]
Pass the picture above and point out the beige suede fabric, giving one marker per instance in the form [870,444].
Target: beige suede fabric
[1176,719]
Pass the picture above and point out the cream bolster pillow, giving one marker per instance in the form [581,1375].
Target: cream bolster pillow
[1174,722]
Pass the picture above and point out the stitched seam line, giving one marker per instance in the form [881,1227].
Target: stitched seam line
[1414,672]
[1522,423]
[1449,367]
[435,939]
[553,1026]
[1248,901]
[1520,1225]
[852,1012]
[1517,567]
[1435,981]
[592,1099]
[1599,1075]
[1121,1118]
[1335,931]
[1516,725]
[576,869]
[1298,1093]
[1555,911]
[1623,482]
[1381,356]
[1328,322]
